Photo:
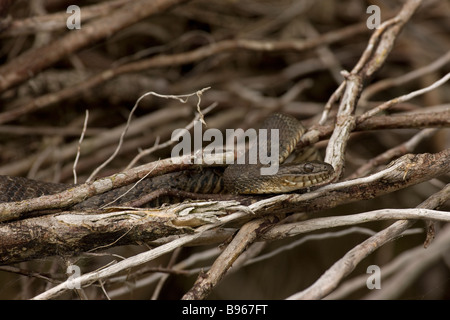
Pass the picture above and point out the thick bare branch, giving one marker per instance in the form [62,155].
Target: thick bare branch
[405,171]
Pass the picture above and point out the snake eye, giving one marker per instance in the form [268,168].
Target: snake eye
[308,167]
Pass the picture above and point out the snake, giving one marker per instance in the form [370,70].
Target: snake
[293,175]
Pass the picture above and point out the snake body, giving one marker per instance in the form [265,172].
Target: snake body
[236,178]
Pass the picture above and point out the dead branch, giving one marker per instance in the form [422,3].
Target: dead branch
[329,280]
[103,140]
[247,234]
[258,58]
[84,232]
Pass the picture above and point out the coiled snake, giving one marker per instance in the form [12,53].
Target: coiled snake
[236,178]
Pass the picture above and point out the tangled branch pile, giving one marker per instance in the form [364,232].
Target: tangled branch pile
[382,124]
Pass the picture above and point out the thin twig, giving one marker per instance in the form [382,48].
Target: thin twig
[170,142]
[388,83]
[74,168]
[182,98]
[403,98]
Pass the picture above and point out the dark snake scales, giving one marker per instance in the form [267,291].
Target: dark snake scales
[236,178]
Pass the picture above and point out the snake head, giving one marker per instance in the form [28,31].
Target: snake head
[290,177]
